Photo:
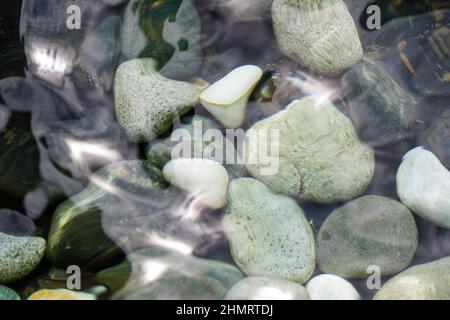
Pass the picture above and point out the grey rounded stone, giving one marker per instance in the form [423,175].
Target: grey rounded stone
[19,256]
[268,232]
[368,231]
[429,281]
[264,288]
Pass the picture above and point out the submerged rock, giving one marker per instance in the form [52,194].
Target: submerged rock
[76,235]
[423,185]
[8,294]
[227,98]
[268,232]
[168,31]
[437,138]
[161,274]
[60,294]
[331,287]
[429,281]
[116,277]
[319,34]
[368,231]
[319,154]
[19,256]
[146,102]
[19,161]
[263,288]
[15,224]
[128,205]
[99,54]
[203,179]
[382,112]
[194,139]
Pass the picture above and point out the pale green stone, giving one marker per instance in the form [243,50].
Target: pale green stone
[146,102]
[320,156]
[429,281]
[268,232]
[8,294]
[319,34]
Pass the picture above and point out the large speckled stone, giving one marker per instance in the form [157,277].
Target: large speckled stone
[19,256]
[319,34]
[268,232]
[320,156]
[264,288]
[368,231]
[429,281]
[146,102]
[161,274]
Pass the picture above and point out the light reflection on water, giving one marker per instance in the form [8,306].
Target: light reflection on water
[234,32]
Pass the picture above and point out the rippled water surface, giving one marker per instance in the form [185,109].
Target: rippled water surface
[59,127]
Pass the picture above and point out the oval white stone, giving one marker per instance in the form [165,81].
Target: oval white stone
[423,185]
[331,287]
[205,179]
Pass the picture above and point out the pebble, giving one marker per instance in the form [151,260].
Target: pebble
[8,294]
[163,274]
[227,99]
[19,256]
[331,287]
[264,288]
[429,281]
[268,232]
[146,102]
[319,34]
[60,294]
[423,185]
[205,180]
[320,156]
[382,111]
[368,231]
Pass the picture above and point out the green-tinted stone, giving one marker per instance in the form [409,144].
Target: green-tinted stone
[314,150]
[167,31]
[160,274]
[8,294]
[382,111]
[99,54]
[19,256]
[368,231]
[429,281]
[116,277]
[19,156]
[147,103]
[268,232]
[319,34]
[437,138]
[193,132]
[76,235]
